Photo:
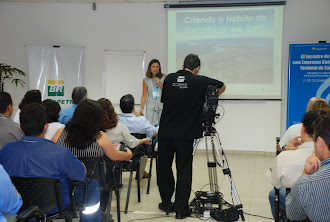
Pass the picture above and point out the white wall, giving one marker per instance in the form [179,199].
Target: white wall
[247,125]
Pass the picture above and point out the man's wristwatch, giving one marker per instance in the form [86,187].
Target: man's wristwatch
[283,148]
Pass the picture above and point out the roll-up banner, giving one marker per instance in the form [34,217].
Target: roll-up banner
[308,76]
[55,71]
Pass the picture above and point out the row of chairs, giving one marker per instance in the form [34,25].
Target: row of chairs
[43,194]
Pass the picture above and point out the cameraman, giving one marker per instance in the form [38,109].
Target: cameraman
[181,122]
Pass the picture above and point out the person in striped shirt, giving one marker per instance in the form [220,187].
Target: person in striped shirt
[310,196]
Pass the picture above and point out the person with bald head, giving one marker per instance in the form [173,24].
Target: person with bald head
[314,103]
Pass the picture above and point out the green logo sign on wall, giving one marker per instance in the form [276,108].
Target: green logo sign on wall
[55,87]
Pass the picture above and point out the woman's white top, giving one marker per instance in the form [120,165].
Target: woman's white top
[16,118]
[120,133]
[52,129]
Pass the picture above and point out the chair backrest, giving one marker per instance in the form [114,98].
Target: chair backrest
[139,135]
[42,192]
[95,168]
[141,149]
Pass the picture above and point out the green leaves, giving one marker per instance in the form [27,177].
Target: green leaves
[8,72]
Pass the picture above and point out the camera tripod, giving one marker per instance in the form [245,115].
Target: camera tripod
[206,200]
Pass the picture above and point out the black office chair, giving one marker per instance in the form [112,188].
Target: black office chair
[97,169]
[111,185]
[41,195]
[132,165]
[152,154]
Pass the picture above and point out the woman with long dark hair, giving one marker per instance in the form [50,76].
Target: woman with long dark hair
[152,92]
[82,136]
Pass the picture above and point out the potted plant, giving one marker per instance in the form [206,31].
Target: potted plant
[7,72]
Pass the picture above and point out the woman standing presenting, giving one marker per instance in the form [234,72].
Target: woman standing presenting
[152,92]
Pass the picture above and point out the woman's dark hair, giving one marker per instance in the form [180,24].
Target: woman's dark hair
[31,96]
[149,74]
[109,117]
[53,110]
[84,126]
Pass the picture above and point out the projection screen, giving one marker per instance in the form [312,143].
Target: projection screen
[241,46]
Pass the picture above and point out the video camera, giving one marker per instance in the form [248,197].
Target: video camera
[210,106]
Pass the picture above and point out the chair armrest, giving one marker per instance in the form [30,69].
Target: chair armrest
[32,211]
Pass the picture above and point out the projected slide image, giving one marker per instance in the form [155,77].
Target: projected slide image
[241,46]
[234,61]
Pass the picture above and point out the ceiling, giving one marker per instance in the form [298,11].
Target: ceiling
[96,1]
[176,2]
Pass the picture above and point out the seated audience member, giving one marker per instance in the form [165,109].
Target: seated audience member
[31,96]
[10,200]
[117,133]
[134,121]
[9,130]
[288,165]
[53,111]
[35,156]
[315,103]
[309,196]
[82,135]
[79,94]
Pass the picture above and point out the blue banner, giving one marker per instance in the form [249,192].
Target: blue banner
[308,76]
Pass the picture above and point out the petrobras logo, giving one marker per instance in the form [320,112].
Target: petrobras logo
[55,87]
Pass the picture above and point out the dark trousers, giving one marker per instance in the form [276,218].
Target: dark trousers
[183,150]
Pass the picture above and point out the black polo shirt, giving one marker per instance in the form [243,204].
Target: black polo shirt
[183,98]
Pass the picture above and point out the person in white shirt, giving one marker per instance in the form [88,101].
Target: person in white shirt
[117,133]
[314,103]
[53,112]
[287,167]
